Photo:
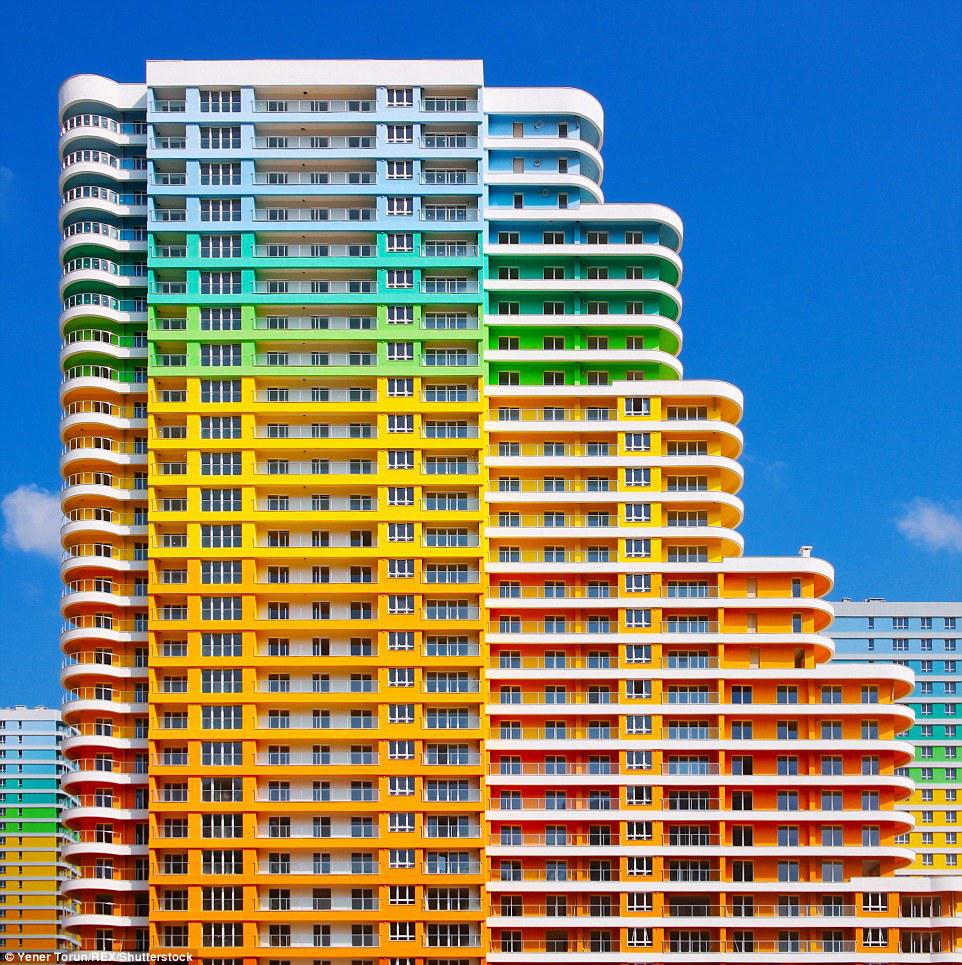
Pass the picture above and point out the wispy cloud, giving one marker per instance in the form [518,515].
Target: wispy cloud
[933,526]
[771,470]
[32,520]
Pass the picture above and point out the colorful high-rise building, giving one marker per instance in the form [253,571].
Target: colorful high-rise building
[33,868]
[926,638]
[447,650]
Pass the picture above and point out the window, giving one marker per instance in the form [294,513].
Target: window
[400,133]
[399,96]
[220,645]
[226,354]
[220,101]
[220,319]
[399,205]
[221,681]
[400,459]
[220,464]
[220,138]
[400,351]
[221,571]
[220,246]
[400,388]
[220,390]
[401,714]
[400,495]
[400,640]
[215,174]
[220,500]
[220,209]
[400,423]
[400,170]
[220,537]
[400,569]
[221,717]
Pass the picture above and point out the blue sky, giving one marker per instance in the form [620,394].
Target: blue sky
[813,149]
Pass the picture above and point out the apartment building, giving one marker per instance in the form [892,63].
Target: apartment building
[407,615]
[32,840]
[926,638]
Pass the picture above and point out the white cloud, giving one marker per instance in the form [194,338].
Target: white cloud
[933,526]
[772,470]
[32,521]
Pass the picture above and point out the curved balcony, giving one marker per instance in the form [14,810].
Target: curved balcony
[89,341]
[534,456]
[580,597]
[588,287]
[102,234]
[81,90]
[90,527]
[119,773]
[95,737]
[99,415]
[90,201]
[722,435]
[101,556]
[536,178]
[723,395]
[614,250]
[122,881]
[571,526]
[102,700]
[587,357]
[518,146]
[103,272]
[86,453]
[92,125]
[101,486]
[645,322]
[112,667]
[86,380]
[91,805]
[98,161]
[85,920]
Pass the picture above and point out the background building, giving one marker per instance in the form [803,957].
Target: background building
[926,638]
[407,615]
[32,867]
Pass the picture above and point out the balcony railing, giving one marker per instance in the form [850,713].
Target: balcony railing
[130,128]
[448,105]
[138,270]
[449,249]
[449,286]
[448,176]
[314,106]
[316,286]
[315,359]
[106,230]
[95,192]
[317,394]
[315,251]
[352,142]
[448,213]
[314,177]
[318,467]
[314,214]
[92,156]
[316,323]
[449,142]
